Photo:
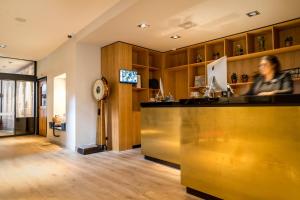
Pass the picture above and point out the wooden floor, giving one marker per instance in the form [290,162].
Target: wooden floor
[33,169]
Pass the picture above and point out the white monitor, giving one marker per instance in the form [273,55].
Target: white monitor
[217,74]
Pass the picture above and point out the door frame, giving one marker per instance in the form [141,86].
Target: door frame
[22,77]
[44,78]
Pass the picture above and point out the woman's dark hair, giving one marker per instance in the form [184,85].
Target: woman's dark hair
[273,60]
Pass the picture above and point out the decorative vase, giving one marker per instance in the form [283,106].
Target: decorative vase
[245,78]
[233,78]
[288,41]
[261,43]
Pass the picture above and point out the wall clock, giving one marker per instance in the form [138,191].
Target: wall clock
[100,89]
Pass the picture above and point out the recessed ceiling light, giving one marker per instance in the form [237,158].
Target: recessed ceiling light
[143,25]
[20,19]
[3,46]
[175,37]
[252,13]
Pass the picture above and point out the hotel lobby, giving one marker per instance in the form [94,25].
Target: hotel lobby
[149,100]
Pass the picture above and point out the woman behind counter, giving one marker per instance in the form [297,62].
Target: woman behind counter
[270,80]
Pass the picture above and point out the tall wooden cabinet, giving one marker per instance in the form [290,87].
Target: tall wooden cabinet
[123,104]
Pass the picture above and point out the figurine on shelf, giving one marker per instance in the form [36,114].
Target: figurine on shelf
[289,41]
[234,78]
[239,50]
[261,43]
[245,78]
[199,57]
[216,55]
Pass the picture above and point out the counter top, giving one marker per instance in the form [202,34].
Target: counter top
[276,100]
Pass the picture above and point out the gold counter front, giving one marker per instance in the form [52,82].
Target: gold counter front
[241,153]
[160,133]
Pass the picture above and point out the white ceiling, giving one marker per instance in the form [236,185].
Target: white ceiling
[101,22]
[213,19]
[48,22]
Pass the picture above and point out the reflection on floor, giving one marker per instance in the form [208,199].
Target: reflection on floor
[33,169]
[6,133]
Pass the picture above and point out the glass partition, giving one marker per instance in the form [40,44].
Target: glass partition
[24,107]
[7,107]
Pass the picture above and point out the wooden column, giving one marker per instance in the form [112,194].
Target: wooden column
[119,104]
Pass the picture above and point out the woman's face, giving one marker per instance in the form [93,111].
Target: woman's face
[265,68]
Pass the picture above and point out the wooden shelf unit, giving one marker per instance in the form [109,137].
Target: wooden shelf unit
[274,41]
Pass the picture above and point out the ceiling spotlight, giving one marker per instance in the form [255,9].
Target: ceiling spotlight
[175,37]
[253,13]
[143,25]
[3,46]
[20,19]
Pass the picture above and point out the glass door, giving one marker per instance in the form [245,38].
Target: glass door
[7,107]
[24,107]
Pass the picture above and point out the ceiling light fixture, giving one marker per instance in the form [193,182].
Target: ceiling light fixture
[3,46]
[143,25]
[175,37]
[252,13]
[20,19]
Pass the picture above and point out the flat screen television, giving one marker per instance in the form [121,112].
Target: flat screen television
[128,76]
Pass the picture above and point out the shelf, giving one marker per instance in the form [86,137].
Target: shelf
[139,89]
[296,79]
[137,66]
[240,84]
[197,64]
[178,68]
[197,87]
[154,69]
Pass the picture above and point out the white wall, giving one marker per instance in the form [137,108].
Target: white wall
[59,95]
[81,63]
[87,71]
[62,60]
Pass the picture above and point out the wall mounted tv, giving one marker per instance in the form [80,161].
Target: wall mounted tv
[128,76]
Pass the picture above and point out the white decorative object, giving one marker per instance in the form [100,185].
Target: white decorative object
[199,81]
[100,89]
[139,82]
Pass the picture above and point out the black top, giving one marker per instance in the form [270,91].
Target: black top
[276,100]
[281,84]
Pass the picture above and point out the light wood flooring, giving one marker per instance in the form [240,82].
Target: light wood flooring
[33,169]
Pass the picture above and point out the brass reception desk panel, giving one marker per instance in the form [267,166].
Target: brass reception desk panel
[239,153]
[160,133]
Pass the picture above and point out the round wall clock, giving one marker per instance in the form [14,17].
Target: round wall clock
[100,89]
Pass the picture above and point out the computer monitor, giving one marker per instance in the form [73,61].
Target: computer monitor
[217,74]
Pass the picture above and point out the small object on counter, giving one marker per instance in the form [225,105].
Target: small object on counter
[195,94]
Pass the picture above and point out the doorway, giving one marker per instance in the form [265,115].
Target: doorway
[7,107]
[42,106]
[17,97]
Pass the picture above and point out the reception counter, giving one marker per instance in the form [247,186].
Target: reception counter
[237,148]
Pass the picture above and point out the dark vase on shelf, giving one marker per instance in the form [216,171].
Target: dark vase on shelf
[261,43]
[216,56]
[245,78]
[239,50]
[288,41]
[234,78]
